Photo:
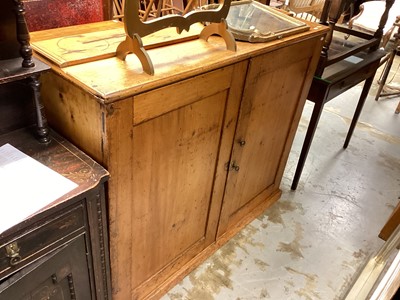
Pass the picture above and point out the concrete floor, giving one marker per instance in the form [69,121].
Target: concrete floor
[313,242]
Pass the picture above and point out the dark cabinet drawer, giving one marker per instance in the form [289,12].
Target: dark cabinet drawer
[43,238]
[61,274]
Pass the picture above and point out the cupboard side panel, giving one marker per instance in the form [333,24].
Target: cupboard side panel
[73,113]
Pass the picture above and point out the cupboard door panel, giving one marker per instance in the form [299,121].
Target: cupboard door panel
[174,160]
[270,101]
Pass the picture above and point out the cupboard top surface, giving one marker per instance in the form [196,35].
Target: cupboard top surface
[112,79]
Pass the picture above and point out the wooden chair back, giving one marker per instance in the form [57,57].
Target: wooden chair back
[306,9]
[157,8]
[336,47]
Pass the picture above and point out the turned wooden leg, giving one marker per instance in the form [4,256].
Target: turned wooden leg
[42,130]
[23,35]
[383,77]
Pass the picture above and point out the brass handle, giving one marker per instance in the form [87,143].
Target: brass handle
[12,251]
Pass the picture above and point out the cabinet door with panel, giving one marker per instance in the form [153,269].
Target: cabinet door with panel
[62,274]
[273,91]
[181,133]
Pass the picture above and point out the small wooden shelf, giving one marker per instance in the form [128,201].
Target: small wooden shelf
[17,63]
[12,70]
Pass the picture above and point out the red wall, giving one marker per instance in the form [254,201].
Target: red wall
[45,14]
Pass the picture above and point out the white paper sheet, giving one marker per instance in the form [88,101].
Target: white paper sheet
[353,59]
[26,186]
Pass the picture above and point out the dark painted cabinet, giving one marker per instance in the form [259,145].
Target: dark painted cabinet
[62,274]
[60,252]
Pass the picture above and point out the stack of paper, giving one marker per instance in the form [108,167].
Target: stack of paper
[26,186]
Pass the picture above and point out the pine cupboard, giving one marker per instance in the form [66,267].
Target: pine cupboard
[195,152]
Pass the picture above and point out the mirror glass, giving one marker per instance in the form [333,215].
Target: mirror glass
[255,22]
